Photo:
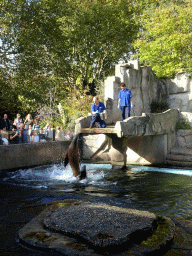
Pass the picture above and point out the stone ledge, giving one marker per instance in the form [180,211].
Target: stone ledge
[179,163]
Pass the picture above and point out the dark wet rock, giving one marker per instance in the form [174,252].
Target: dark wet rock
[169,236]
[101,226]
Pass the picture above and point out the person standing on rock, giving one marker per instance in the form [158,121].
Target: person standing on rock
[97,109]
[125,102]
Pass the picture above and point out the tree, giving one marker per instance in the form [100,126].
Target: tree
[8,97]
[165,42]
[98,33]
[50,45]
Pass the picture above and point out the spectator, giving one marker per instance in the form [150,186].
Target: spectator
[35,137]
[58,133]
[50,131]
[0,124]
[4,137]
[66,136]
[28,121]
[14,136]
[22,133]
[18,120]
[29,133]
[36,125]
[70,135]
[42,137]
[5,123]
[46,129]
[1,141]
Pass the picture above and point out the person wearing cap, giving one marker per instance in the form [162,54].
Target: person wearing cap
[98,109]
[125,101]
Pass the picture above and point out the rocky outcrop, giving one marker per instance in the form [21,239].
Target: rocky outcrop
[89,229]
[148,124]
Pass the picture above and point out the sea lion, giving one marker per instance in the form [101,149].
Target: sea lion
[83,173]
[73,157]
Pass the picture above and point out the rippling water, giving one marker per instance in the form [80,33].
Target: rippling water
[159,190]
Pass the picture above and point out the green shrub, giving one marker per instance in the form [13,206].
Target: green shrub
[183,123]
[159,106]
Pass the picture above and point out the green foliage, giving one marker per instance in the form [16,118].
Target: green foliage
[95,32]
[159,106]
[50,46]
[183,123]
[8,97]
[75,105]
[78,102]
[165,40]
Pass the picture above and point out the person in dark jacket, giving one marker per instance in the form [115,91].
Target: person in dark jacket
[14,136]
[5,123]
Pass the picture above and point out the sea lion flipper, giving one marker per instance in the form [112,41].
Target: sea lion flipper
[66,159]
[83,173]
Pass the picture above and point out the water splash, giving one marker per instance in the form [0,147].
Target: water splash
[50,176]
[46,176]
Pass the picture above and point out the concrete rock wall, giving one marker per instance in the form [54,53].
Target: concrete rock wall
[26,155]
[145,87]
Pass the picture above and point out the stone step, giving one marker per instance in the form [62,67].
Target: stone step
[177,157]
[179,163]
[180,156]
[181,151]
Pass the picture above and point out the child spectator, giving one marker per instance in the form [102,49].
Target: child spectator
[4,137]
[14,138]
[36,125]
[35,137]
[42,137]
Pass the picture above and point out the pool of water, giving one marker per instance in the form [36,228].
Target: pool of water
[23,193]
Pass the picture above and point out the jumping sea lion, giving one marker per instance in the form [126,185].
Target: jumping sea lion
[72,156]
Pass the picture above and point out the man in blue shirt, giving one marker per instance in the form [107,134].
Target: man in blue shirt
[125,101]
[97,108]
[22,133]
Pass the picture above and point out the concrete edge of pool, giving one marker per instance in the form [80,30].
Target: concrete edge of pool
[165,235]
